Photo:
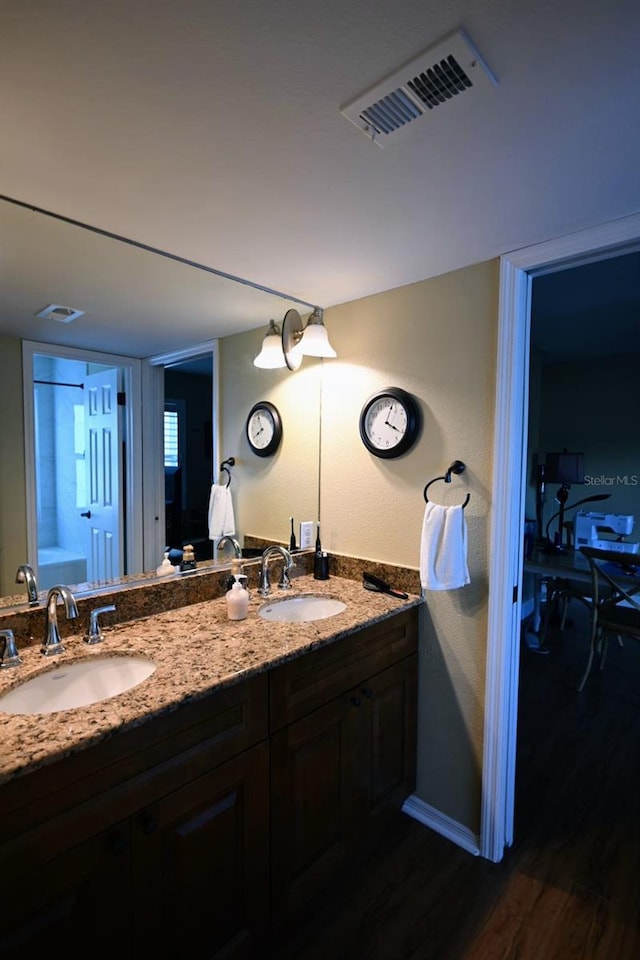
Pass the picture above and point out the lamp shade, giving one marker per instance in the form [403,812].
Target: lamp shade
[315,339]
[271,356]
[564,467]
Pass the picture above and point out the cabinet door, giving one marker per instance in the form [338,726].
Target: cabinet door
[332,773]
[314,802]
[201,864]
[78,903]
[389,710]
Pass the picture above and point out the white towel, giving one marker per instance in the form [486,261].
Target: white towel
[443,548]
[221,519]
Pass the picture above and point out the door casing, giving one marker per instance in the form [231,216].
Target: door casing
[508,486]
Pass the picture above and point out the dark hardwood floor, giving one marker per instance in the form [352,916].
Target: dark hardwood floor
[568,889]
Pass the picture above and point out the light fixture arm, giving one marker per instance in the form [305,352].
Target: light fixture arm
[291,336]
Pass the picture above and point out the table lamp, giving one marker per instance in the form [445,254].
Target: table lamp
[566,469]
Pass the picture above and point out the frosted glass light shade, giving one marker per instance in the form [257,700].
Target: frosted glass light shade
[271,356]
[315,339]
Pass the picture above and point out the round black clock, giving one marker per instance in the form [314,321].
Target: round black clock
[390,422]
[264,428]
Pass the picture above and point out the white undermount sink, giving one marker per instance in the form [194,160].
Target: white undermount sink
[77,685]
[301,609]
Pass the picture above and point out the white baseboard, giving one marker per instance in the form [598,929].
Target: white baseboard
[445,826]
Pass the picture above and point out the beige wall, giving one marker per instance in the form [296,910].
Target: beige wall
[268,490]
[13,510]
[436,339]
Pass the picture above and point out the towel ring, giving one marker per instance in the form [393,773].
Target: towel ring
[224,466]
[456,467]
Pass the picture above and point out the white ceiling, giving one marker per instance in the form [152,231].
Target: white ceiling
[212,130]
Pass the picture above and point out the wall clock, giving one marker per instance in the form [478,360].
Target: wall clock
[264,428]
[390,422]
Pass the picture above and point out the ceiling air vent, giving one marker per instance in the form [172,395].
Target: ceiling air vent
[450,69]
[56,311]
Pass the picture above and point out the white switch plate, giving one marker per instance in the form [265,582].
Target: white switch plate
[306,534]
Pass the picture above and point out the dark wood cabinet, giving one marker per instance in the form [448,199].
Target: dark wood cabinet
[337,769]
[62,904]
[205,831]
[165,846]
[200,861]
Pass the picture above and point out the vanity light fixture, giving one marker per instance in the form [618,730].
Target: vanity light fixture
[310,341]
[271,355]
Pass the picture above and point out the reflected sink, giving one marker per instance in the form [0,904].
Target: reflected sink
[301,609]
[77,685]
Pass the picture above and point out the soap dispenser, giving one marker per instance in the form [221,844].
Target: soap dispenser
[188,563]
[166,567]
[237,573]
[237,601]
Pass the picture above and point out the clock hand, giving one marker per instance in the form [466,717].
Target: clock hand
[387,422]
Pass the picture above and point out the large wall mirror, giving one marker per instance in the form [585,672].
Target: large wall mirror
[196,325]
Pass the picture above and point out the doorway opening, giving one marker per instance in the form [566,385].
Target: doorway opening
[188,454]
[182,388]
[509,493]
[81,477]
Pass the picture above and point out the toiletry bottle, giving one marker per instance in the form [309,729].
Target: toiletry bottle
[237,602]
[188,559]
[166,567]
[237,573]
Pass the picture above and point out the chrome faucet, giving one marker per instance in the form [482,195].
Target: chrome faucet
[264,587]
[8,652]
[26,575]
[237,549]
[52,642]
[95,634]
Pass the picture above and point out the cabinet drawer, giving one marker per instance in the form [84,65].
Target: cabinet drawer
[300,686]
[136,766]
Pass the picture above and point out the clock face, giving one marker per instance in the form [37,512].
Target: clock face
[264,428]
[389,422]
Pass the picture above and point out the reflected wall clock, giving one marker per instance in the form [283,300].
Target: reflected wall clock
[264,428]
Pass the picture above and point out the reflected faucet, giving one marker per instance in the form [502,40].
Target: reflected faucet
[264,587]
[52,642]
[8,652]
[26,575]
[237,549]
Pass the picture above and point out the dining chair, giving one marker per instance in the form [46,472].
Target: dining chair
[560,591]
[615,608]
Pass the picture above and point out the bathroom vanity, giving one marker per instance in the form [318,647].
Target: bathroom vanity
[201,817]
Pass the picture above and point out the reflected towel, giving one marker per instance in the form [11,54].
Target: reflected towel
[443,548]
[221,519]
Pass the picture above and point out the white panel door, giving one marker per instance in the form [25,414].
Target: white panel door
[104,560]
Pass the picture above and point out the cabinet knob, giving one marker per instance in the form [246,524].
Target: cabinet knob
[356,701]
[367,692]
[119,845]
[149,826]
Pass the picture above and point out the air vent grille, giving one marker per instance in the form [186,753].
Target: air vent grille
[434,78]
[439,84]
[56,311]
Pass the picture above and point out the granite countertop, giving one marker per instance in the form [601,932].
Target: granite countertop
[196,648]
